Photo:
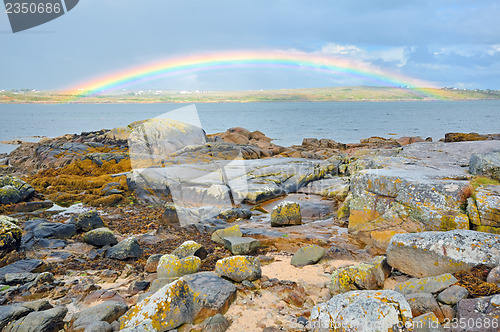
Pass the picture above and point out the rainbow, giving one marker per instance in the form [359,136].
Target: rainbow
[247,59]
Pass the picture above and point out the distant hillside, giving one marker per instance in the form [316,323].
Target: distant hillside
[358,93]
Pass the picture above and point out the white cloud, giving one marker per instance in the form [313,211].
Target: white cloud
[381,54]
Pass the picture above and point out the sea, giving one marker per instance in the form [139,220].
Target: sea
[286,122]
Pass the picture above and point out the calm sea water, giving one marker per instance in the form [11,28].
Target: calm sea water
[287,123]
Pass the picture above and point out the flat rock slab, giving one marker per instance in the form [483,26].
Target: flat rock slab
[433,284]
[22,266]
[434,253]
[241,245]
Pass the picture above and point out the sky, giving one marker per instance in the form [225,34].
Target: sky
[443,42]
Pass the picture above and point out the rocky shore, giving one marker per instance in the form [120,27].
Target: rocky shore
[158,226]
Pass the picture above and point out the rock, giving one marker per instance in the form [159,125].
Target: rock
[336,187]
[19,278]
[484,209]
[427,323]
[477,312]
[10,236]
[422,303]
[89,220]
[241,245]
[463,137]
[233,214]
[405,199]
[286,214]
[152,263]
[433,253]
[363,276]
[14,190]
[216,323]
[448,312]
[171,267]
[50,320]
[213,294]
[11,313]
[239,268]
[433,284]
[22,266]
[363,311]
[108,311]
[190,248]
[219,235]
[486,164]
[38,305]
[169,216]
[453,294]
[128,248]
[100,237]
[138,286]
[52,230]
[308,255]
[494,276]
[99,326]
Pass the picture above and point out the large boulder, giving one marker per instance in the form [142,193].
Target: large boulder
[172,267]
[486,164]
[433,253]
[14,190]
[364,276]
[484,209]
[186,300]
[377,311]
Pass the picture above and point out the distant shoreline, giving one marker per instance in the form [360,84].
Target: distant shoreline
[336,94]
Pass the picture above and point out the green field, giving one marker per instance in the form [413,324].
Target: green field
[355,93]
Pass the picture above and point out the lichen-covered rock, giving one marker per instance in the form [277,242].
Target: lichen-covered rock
[190,248]
[186,300]
[14,190]
[100,237]
[286,214]
[308,255]
[389,201]
[377,311]
[171,266]
[434,284]
[88,221]
[239,268]
[128,248]
[241,245]
[10,236]
[434,253]
[219,235]
[486,164]
[427,323]
[363,276]
[484,209]
[336,188]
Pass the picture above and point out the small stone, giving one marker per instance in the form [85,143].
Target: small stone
[99,326]
[190,248]
[216,323]
[152,263]
[219,235]
[138,286]
[241,245]
[248,284]
[88,221]
[44,278]
[448,312]
[10,236]
[453,294]
[100,237]
[286,214]
[128,248]
[307,255]
[239,268]
[108,311]
[426,285]
[170,217]
[495,301]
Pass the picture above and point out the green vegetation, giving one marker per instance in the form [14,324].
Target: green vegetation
[482,181]
[357,93]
